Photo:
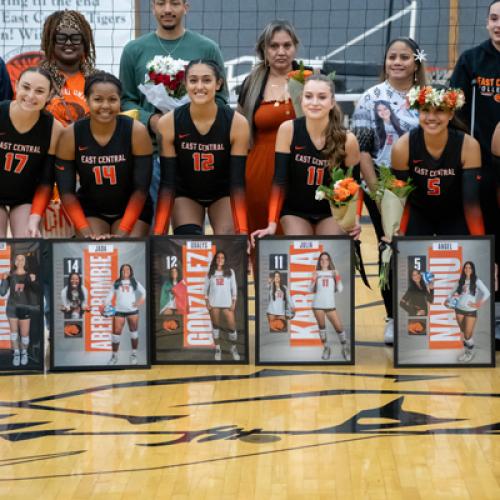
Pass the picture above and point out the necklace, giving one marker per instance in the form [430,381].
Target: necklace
[169,53]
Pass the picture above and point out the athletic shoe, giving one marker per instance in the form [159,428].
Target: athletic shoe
[346,351]
[466,356]
[218,353]
[234,353]
[389,331]
[16,360]
[326,353]
[24,358]
[113,360]
[216,334]
[233,336]
[133,359]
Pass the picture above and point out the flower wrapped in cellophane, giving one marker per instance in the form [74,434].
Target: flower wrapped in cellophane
[342,195]
[296,81]
[390,195]
[164,83]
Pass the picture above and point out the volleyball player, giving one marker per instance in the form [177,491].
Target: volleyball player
[28,138]
[203,148]
[111,154]
[306,149]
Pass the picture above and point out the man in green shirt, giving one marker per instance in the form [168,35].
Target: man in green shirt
[171,38]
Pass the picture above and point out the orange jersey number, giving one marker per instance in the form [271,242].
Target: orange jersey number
[22,159]
[104,172]
[203,162]
[315,176]
[433,186]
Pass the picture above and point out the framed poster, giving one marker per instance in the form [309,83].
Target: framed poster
[200,299]
[99,304]
[305,300]
[444,298]
[21,305]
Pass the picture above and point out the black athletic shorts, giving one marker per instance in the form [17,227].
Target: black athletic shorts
[145,216]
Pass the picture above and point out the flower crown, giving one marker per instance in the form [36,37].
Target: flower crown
[422,97]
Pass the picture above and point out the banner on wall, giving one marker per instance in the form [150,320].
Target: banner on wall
[100,304]
[305,301]
[200,299]
[21,305]
[444,293]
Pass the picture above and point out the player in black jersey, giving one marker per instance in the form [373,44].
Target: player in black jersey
[444,164]
[112,155]
[28,138]
[306,149]
[203,149]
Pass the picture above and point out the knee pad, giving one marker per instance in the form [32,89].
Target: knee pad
[13,336]
[134,335]
[115,338]
[189,230]
[25,341]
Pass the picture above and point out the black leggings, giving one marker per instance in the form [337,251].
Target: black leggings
[377,225]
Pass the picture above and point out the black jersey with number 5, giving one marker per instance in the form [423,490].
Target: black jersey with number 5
[307,170]
[106,172]
[22,157]
[438,181]
[203,161]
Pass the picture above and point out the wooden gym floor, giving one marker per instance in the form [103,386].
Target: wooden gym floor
[367,432]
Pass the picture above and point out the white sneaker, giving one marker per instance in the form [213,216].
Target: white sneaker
[389,331]
[16,359]
[113,360]
[233,336]
[326,353]
[346,351]
[133,359]
[216,334]
[466,356]
[24,358]
[234,353]
[218,353]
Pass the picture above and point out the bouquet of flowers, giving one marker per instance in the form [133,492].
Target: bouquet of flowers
[296,80]
[342,195]
[390,195]
[164,83]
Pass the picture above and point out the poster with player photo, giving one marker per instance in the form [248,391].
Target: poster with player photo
[199,300]
[99,304]
[444,296]
[21,305]
[305,300]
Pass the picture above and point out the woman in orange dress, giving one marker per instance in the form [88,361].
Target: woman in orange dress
[265,102]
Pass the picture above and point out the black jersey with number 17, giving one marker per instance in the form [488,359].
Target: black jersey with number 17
[106,172]
[203,161]
[22,157]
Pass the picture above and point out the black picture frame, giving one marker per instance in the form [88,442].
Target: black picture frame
[81,340]
[298,341]
[182,344]
[429,307]
[28,306]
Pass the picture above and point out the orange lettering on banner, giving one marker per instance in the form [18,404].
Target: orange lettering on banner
[196,258]
[304,329]
[4,322]
[445,261]
[100,270]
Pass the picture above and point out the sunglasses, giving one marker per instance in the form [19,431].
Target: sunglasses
[62,38]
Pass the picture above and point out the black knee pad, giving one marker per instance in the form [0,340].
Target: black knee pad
[189,230]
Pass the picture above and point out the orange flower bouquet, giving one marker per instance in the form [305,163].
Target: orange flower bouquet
[296,80]
[391,195]
[342,195]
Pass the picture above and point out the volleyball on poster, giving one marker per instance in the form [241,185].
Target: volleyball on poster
[305,301]
[200,299]
[21,306]
[444,302]
[99,304]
